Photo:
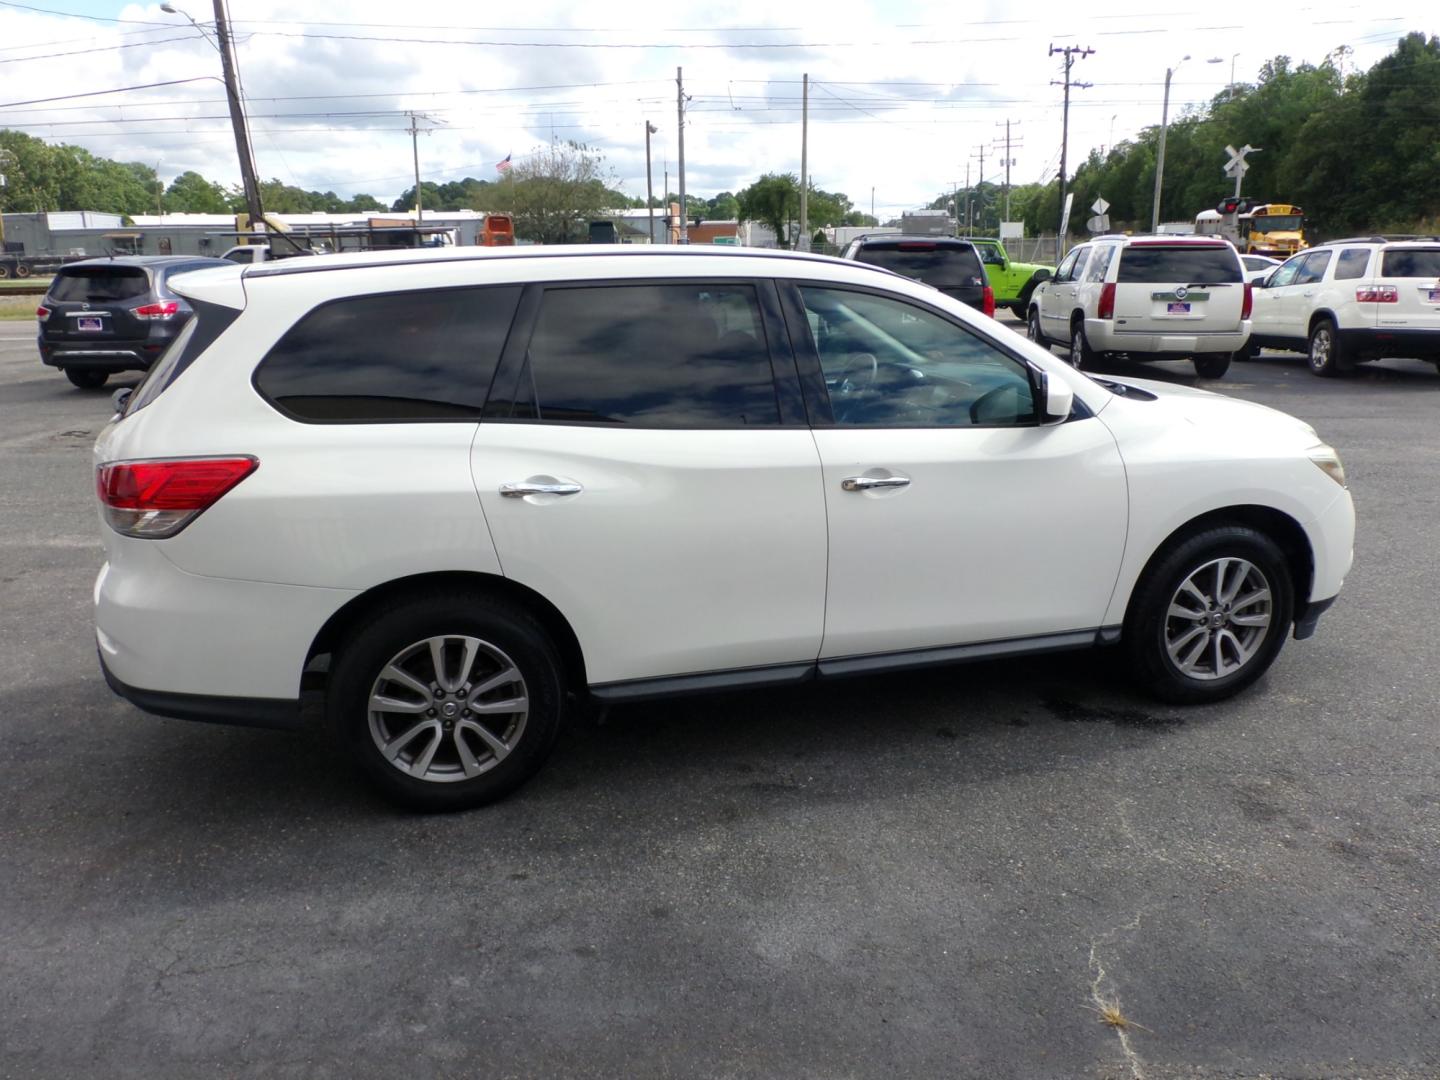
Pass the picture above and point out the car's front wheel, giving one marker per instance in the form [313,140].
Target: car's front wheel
[1210,615]
[87,378]
[1033,330]
[447,701]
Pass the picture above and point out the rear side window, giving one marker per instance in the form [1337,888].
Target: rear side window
[394,357]
[1187,264]
[1099,263]
[99,284]
[659,356]
[1352,263]
[1411,262]
[942,266]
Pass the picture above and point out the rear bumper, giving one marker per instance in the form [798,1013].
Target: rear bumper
[1103,336]
[280,713]
[102,355]
[1392,341]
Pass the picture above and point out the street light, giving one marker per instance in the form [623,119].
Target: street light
[650,129]
[171,9]
[1160,160]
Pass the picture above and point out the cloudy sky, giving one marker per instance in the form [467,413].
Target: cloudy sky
[904,95]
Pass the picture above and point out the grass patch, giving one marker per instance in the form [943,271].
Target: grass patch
[18,307]
[23,283]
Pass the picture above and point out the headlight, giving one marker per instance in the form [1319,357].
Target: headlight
[1328,461]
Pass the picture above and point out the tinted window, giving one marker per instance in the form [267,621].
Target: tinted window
[98,284]
[943,266]
[668,356]
[1313,268]
[1188,265]
[1062,272]
[240,255]
[1411,262]
[1255,262]
[1352,263]
[892,364]
[989,255]
[401,356]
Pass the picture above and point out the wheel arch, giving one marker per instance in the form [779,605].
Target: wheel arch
[1288,534]
[1316,316]
[491,585]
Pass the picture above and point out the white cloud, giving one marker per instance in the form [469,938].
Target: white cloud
[903,94]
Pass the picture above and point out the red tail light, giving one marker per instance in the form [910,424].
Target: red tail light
[1248,303]
[166,309]
[42,313]
[1377,294]
[156,499]
[987,301]
[1107,301]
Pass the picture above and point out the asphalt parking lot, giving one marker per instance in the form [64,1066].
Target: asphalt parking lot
[949,874]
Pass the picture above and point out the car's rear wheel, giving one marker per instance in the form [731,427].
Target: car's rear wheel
[1033,331]
[1082,356]
[87,378]
[1212,365]
[447,701]
[1210,616]
[1327,356]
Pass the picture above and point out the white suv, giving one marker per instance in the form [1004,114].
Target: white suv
[1148,297]
[1353,300]
[463,490]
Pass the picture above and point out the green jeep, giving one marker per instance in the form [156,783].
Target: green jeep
[1013,282]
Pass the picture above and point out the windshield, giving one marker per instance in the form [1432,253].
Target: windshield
[1286,223]
[99,284]
[939,266]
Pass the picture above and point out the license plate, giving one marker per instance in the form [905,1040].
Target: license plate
[1435,296]
[1174,308]
[89,323]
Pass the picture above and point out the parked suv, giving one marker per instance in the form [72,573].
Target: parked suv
[943,262]
[459,491]
[101,316]
[1354,300]
[1149,298]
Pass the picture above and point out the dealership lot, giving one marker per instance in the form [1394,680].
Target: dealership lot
[949,873]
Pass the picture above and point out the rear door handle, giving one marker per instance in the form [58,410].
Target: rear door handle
[526,487]
[865,483]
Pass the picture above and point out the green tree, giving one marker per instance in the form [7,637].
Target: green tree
[554,192]
[191,193]
[774,201]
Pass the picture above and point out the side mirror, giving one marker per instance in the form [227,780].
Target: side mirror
[1043,275]
[121,398]
[1264,282]
[1055,398]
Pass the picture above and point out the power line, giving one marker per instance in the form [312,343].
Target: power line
[101,93]
[77,15]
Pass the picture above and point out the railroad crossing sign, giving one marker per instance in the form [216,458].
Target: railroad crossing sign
[1235,168]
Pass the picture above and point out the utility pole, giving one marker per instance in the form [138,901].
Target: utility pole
[159,190]
[415,150]
[872,203]
[804,237]
[680,113]
[650,129]
[1072,53]
[967,198]
[249,181]
[980,191]
[1009,161]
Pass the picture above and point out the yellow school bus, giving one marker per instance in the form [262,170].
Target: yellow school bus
[1275,229]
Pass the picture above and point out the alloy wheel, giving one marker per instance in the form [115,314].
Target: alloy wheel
[1218,619]
[448,708]
[1321,347]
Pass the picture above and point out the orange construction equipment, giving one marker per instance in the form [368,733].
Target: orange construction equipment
[498,231]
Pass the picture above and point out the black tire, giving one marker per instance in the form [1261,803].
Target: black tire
[397,635]
[1212,365]
[1018,310]
[87,378]
[1326,356]
[4,272]
[1249,351]
[22,270]
[1033,330]
[1151,630]
[1081,356]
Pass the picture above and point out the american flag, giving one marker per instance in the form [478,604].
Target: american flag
[503,166]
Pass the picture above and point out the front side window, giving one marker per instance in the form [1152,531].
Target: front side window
[1352,264]
[392,357]
[658,356]
[990,256]
[1313,268]
[1063,271]
[888,363]
[1286,274]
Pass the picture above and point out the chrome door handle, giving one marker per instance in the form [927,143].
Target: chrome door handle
[865,483]
[520,490]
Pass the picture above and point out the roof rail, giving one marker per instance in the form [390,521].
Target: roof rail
[1391,238]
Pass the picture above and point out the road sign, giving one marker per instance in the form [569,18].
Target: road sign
[1099,223]
[1065,216]
[1099,206]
